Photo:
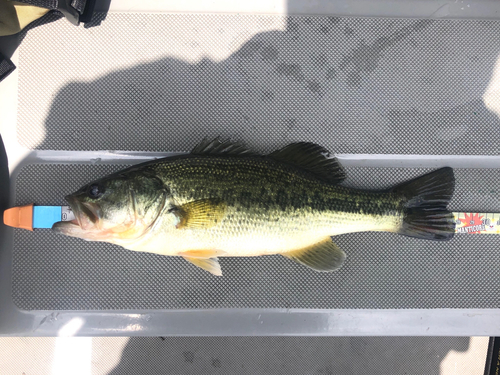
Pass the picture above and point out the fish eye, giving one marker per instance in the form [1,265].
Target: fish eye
[95,191]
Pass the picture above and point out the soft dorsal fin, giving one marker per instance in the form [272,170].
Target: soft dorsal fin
[313,158]
[220,147]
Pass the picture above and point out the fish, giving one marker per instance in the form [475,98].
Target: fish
[223,200]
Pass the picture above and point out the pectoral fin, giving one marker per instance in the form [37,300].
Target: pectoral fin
[211,264]
[324,256]
[203,213]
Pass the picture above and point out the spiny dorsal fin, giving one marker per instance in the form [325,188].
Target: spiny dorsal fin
[324,256]
[313,158]
[211,264]
[204,213]
[220,147]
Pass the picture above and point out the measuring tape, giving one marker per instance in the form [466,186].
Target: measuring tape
[41,217]
[36,217]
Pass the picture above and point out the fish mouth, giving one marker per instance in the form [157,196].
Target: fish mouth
[86,218]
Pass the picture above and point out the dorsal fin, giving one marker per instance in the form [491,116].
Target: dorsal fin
[220,147]
[313,158]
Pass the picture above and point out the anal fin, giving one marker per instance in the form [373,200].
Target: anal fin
[324,256]
[208,264]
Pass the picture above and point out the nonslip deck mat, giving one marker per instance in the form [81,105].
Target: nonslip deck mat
[151,81]
[53,272]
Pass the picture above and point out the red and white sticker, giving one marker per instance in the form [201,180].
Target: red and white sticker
[477,223]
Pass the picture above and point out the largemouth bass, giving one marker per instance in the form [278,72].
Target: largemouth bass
[223,200]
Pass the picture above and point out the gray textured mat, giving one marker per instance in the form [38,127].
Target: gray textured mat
[151,81]
[245,355]
[299,356]
[382,270]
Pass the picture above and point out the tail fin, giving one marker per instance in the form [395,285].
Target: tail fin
[425,200]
